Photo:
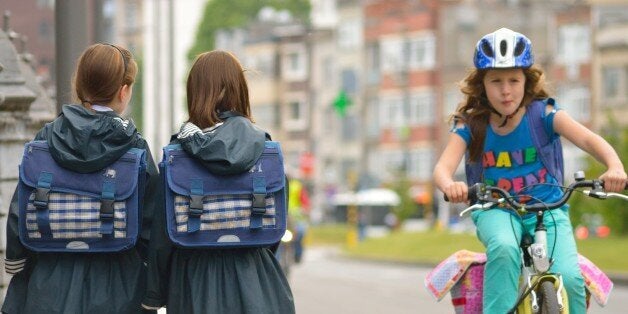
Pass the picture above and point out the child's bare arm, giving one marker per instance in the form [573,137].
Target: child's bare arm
[615,175]
[446,166]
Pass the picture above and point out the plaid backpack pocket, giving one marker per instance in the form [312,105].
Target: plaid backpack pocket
[206,210]
[65,211]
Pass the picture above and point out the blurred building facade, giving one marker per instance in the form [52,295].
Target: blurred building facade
[360,95]
[24,108]
[403,91]
[399,63]
[38,34]
[609,23]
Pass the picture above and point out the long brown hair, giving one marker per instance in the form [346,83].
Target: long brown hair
[216,83]
[475,110]
[100,72]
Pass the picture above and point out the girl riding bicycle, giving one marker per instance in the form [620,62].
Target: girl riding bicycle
[491,127]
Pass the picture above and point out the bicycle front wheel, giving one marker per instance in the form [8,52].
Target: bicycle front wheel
[548,300]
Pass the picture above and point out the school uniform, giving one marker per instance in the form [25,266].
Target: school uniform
[246,280]
[84,141]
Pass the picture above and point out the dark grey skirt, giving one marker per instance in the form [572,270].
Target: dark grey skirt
[228,281]
[78,283]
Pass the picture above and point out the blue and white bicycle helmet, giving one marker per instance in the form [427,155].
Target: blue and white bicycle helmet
[503,48]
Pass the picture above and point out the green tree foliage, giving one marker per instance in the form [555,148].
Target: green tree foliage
[612,210]
[137,99]
[407,207]
[236,13]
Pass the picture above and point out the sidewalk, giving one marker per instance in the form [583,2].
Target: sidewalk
[618,279]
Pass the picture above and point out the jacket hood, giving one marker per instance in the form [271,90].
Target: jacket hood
[87,141]
[230,147]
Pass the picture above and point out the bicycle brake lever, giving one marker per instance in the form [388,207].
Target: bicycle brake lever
[617,195]
[596,194]
[476,206]
[604,195]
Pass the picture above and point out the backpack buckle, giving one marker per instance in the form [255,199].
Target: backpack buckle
[106,208]
[41,198]
[196,205]
[259,203]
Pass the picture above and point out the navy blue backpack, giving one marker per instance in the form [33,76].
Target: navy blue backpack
[549,146]
[65,211]
[206,210]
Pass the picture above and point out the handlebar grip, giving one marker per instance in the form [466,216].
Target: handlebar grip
[471,193]
[625,186]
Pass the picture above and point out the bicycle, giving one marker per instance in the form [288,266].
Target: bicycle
[540,291]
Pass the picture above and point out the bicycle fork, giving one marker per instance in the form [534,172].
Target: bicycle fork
[535,268]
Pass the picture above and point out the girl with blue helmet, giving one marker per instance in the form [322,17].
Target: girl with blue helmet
[490,127]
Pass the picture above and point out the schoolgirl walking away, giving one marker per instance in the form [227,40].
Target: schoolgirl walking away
[85,138]
[220,135]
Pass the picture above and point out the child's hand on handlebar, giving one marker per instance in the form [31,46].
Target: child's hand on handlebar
[614,180]
[457,192]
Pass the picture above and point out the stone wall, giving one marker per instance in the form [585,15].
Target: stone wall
[24,109]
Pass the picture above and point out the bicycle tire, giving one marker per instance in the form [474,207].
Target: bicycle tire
[548,300]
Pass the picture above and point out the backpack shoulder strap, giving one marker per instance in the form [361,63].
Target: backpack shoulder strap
[551,157]
[535,113]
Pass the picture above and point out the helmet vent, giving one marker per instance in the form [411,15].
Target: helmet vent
[486,49]
[519,47]
[503,46]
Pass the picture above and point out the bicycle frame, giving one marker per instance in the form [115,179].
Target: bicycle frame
[535,265]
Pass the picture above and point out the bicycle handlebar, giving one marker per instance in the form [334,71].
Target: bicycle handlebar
[481,195]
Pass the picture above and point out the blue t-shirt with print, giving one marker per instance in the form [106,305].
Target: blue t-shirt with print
[511,162]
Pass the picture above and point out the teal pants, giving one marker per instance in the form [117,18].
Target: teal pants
[500,232]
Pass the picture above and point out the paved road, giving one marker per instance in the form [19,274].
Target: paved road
[327,283]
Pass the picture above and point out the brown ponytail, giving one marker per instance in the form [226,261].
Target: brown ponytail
[216,83]
[100,72]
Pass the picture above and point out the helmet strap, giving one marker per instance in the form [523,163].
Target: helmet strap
[508,117]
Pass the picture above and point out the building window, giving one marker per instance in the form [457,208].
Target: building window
[266,116]
[575,159]
[391,112]
[422,109]
[231,40]
[393,163]
[372,63]
[294,63]
[46,4]
[44,30]
[392,54]
[295,113]
[615,85]
[421,52]
[262,63]
[349,81]
[349,34]
[574,44]
[420,165]
[576,100]
[453,97]
[295,110]
[374,118]
[350,126]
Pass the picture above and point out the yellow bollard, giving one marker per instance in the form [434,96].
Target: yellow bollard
[352,223]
